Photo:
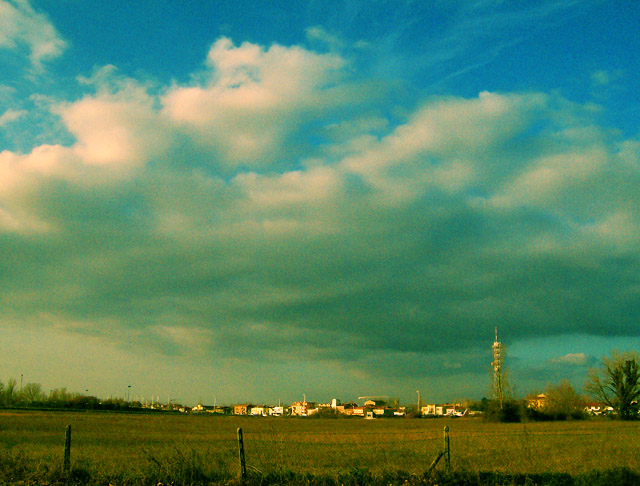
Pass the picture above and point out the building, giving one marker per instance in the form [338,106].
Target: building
[300,409]
[242,409]
[276,411]
[429,409]
[400,412]
[358,411]
[262,411]
[441,410]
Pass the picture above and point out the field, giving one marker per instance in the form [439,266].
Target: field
[143,448]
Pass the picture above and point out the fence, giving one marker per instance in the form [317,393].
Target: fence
[568,447]
[242,465]
[444,453]
[142,444]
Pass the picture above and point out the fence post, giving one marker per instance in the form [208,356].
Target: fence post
[434,463]
[447,450]
[243,466]
[66,465]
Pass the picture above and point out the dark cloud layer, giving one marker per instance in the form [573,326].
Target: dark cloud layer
[208,221]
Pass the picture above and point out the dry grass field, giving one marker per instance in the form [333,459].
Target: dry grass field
[118,445]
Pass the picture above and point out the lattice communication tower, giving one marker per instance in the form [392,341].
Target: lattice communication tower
[498,373]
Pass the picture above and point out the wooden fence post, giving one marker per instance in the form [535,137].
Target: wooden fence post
[447,450]
[66,465]
[243,466]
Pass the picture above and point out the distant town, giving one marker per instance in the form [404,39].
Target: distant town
[372,408]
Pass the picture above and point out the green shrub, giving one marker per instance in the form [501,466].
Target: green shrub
[511,411]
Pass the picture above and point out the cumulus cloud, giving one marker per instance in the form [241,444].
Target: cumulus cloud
[255,102]
[270,209]
[115,130]
[574,359]
[23,27]
[441,147]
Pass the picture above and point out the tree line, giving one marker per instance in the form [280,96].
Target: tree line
[31,395]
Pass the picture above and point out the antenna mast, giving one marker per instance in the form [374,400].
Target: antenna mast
[498,372]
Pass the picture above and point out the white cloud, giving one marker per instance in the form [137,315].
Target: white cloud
[574,359]
[10,116]
[315,185]
[119,129]
[256,99]
[616,234]
[21,25]
[320,35]
[548,180]
[20,171]
[447,144]
[23,176]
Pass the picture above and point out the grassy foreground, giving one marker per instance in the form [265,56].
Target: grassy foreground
[145,449]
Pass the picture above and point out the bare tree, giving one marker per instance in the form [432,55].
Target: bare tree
[564,401]
[617,383]
[59,396]
[10,393]
[32,392]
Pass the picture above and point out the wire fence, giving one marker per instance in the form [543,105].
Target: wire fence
[144,445]
[570,447]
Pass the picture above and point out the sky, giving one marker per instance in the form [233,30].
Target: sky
[207,201]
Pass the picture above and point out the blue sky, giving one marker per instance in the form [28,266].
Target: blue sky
[250,202]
